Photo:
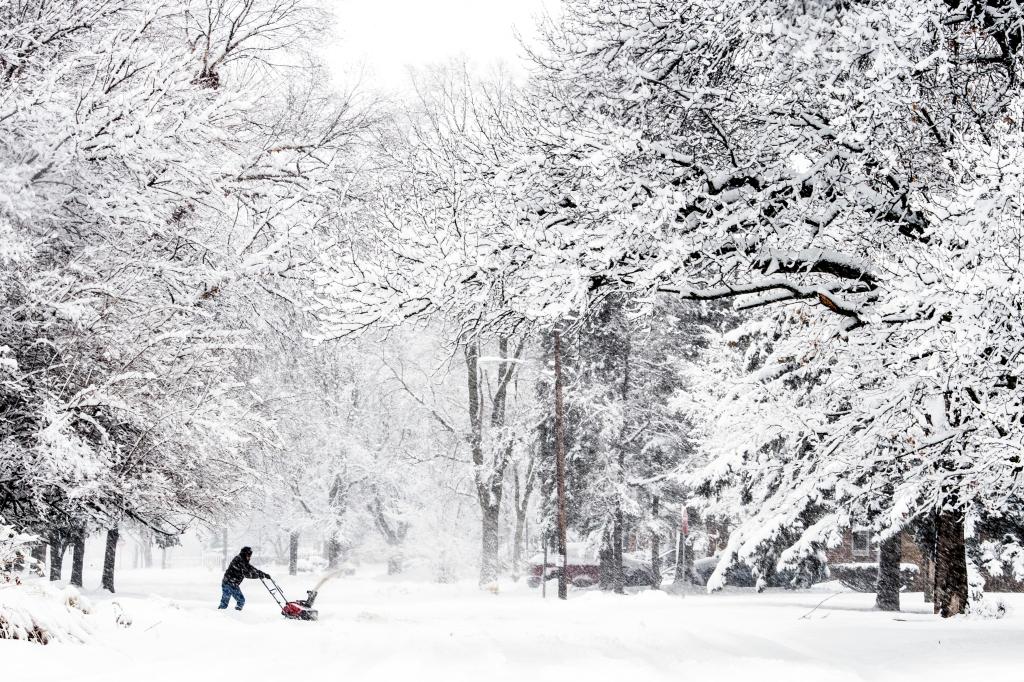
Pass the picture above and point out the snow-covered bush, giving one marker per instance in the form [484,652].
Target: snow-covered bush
[35,611]
[1002,559]
[981,605]
[15,551]
[40,612]
[863,576]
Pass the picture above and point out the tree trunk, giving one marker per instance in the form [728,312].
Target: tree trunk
[655,546]
[109,555]
[57,547]
[618,531]
[489,545]
[928,571]
[147,549]
[951,589]
[522,489]
[618,572]
[606,563]
[39,557]
[293,553]
[333,552]
[684,559]
[887,592]
[77,557]
[517,544]
[563,584]
[679,575]
[488,520]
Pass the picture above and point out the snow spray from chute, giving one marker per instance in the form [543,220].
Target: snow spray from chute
[327,576]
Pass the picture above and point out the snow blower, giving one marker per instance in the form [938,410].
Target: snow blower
[300,609]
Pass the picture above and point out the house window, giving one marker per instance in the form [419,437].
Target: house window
[861,543]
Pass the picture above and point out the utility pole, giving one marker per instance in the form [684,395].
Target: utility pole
[563,588]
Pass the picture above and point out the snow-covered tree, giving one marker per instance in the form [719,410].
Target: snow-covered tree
[860,158]
[162,169]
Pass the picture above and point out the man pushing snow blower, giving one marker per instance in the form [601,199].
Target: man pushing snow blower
[238,570]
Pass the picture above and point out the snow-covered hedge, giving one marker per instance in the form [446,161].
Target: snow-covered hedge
[37,611]
[863,576]
[34,610]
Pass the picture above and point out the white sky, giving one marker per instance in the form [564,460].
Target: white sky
[388,36]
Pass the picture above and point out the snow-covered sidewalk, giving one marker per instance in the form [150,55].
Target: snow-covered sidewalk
[375,628]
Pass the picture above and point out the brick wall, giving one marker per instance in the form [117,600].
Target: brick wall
[911,553]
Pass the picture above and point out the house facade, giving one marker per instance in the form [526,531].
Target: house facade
[858,547]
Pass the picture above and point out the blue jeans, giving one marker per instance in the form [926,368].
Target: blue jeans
[229,591]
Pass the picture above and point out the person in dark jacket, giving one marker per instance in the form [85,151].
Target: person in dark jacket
[238,570]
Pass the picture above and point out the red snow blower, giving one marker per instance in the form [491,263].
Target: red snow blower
[300,609]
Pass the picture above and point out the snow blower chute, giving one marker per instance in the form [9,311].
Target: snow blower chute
[300,609]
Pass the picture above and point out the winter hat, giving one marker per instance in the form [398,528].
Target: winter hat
[246,552]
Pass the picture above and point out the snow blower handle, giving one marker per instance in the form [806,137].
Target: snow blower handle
[275,591]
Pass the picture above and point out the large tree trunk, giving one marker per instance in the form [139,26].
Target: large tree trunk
[928,575]
[606,563]
[517,544]
[619,529]
[293,553]
[489,477]
[109,556]
[522,489]
[887,592]
[39,556]
[489,545]
[655,546]
[563,578]
[147,548]
[77,557]
[951,589]
[684,560]
[618,572]
[57,544]
[488,522]
[333,553]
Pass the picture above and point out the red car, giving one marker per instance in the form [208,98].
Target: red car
[581,566]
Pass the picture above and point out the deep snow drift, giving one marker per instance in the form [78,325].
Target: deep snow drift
[380,629]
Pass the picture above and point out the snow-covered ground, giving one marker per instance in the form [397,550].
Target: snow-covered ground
[384,630]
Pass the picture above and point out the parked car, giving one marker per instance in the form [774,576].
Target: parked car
[583,566]
[637,566]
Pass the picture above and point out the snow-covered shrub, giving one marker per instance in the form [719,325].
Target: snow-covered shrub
[1001,559]
[981,605]
[15,552]
[863,576]
[40,612]
[35,611]
[121,617]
